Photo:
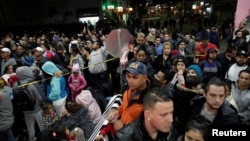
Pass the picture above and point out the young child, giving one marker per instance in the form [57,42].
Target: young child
[8,72]
[49,116]
[180,70]
[109,128]
[76,81]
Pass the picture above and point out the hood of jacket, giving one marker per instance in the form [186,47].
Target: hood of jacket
[196,91]
[24,74]
[49,67]
[85,98]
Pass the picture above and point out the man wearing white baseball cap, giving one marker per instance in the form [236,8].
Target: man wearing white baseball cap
[6,59]
[5,49]
[39,49]
[39,58]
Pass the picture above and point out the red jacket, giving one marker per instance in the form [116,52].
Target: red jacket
[109,128]
[202,52]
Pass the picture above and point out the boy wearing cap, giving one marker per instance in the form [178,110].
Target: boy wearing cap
[180,69]
[131,107]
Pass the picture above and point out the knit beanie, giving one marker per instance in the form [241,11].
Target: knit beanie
[196,68]
[28,60]
[76,68]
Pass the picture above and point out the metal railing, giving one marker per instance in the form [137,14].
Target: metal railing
[115,101]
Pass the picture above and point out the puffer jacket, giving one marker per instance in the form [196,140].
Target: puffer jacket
[86,100]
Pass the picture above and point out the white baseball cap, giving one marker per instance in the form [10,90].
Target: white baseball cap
[5,49]
[39,49]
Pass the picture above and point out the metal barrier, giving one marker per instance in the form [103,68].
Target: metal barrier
[115,101]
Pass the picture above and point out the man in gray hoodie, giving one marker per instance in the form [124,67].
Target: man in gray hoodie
[25,75]
[6,114]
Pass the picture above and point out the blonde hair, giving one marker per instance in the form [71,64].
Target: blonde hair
[140,34]
[167,44]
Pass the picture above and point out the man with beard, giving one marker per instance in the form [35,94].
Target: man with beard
[241,64]
[240,41]
[20,53]
[213,106]
[243,29]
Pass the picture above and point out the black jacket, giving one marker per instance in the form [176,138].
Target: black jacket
[182,98]
[161,63]
[226,115]
[225,63]
[79,119]
[135,131]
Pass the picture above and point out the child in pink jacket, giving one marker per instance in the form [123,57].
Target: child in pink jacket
[76,81]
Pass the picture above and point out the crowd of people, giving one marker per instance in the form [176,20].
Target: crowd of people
[173,85]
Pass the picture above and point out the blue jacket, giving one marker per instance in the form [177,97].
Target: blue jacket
[56,89]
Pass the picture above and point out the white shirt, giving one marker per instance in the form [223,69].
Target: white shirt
[233,72]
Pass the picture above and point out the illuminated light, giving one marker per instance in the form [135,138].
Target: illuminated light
[119,9]
[111,7]
[92,20]
[194,6]
[208,9]
[130,9]
[202,3]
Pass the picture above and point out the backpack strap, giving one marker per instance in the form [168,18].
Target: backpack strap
[18,82]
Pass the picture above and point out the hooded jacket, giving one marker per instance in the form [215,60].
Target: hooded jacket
[79,119]
[86,100]
[6,109]
[25,75]
[56,88]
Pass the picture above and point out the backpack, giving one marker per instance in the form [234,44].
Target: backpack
[23,100]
